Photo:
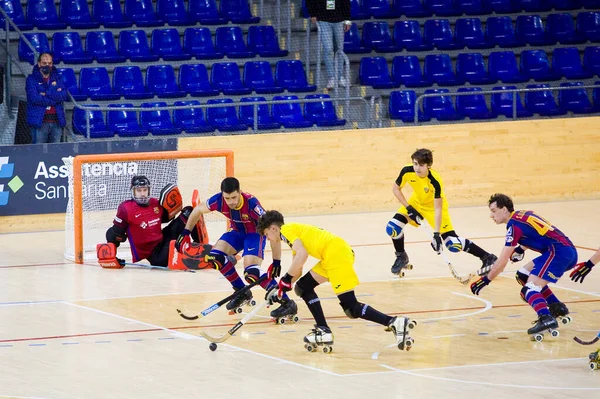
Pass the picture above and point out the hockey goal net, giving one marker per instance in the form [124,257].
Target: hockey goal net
[99,183]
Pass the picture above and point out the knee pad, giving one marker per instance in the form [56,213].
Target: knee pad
[305,285]
[395,227]
[352,308]
[185,213]
[529,287]
[252,273]
[522,276]
[453,242]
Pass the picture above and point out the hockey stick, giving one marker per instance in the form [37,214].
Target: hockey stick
[217,305]
[592,342]
[145,266]
[232,330]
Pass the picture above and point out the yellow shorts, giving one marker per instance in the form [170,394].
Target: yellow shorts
[428,213]
[337,266]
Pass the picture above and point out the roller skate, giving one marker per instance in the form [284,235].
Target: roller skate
[319,336]
[487,262]
[545,323]
[235,305]
[286,312]
[399,326]
[560,312]
[400,263]
[595,360]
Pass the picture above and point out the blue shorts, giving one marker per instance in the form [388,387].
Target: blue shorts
[553,263]
[251,243]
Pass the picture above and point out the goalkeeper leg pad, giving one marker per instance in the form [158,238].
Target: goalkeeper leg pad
[107,256]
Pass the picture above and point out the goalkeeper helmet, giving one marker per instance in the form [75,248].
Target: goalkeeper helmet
[140,182]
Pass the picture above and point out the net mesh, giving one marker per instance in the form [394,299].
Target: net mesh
[106,185]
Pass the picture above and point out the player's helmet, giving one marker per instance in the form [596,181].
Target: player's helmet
[140,181]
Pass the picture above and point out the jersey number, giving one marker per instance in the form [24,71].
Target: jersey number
[540,225]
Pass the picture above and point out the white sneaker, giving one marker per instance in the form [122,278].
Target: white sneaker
[343,82]
[331,83]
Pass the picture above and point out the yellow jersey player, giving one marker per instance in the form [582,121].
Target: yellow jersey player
[427,202]
[336,265]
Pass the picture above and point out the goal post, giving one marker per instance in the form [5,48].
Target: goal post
[99,183]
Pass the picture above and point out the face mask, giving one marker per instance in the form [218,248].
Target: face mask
[46,69]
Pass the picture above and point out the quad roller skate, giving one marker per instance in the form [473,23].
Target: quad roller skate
[235,305]
[545,323]
[400,263]
[560,312]
[319,336]
[486,264]
[285,313]
[595,360]
[399,326]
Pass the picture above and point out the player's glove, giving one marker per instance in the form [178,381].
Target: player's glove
[414,214]
[478,285]
[436,242]
[518,254]
[183,241]
[272,295]
[274,270]
[581,270]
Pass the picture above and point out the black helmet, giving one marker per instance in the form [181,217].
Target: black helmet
[140,181]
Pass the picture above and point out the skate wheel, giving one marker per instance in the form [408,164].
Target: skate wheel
[412,324]
[593,366]
[310,348]
[409,343]
[239,310]
[327,349]
[409,267]
[252,303]
[281,320]
[538,337]
[401,274]
[554,333]
[295,319]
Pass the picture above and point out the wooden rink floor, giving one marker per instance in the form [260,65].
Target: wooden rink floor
[80,331]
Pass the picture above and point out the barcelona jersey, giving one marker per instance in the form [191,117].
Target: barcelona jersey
[143,226]
[534,232]
[242,219]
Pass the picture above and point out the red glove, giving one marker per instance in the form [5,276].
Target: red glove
[183,241]
[285,284]
[107,256]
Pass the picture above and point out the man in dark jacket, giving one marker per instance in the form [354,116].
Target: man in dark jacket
[46,93]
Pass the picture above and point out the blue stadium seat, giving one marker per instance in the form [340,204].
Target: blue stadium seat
[541,102]
[566,62]
[265,120]
[39,41]
[98,128]
[411,8]
[321,113]
[499,31]
[142,13]
[190,120]
[575,100]
[440,107]
[198,42]
[128,82]
[160,80]
[258,76]
[15,12]
[470,67]
[70,81]
[407,34]
[535,65]
[377,36]
[124,122]
[588,24]
[591,4]
[225,76]
[536,5]
[100,45]
[469,33]
[95,83]
[193,78]
[502,66]
[472,106]
[42,14]
[406,71]
[134,45]
[504,6]
[474,7]
[357,10]
[109,14]
[380,9]
[224,118]
[402,106]
[166,44]
[437,32]
[531,30]
[230,40]
[237,11]
[596,97]
[502,103]
[438,69]
[291,76]
[591,60]
[263,41]
[561,28]
[174,12]
[289,114]
[205,12]
[158,121]
[442,7]
[374,72]
[353,42]
[566,4]
[69,48]
[76,14]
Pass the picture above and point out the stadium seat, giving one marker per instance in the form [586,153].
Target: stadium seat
[373,71]
[321,113]
[98,128]
[100,45]
[500,32]
[128,82]
[566,4]
[205,12]
[377,36]
[438,69]
[407,34]
[198,43]
[439,107]
[15,12]
[225,76]
[160,80]
[230,41]
[380,9]
[357,11]
[591,60]
[142,13]
[474,7]
[69,48]
[263,41]
[353,42]
[530,30]
[224,118]
[124,122]
[402,106]
[566,62]
[70,81]
[406,71]
[596,97]
[591,4]
[502,66]
[541,102]
[134,45]
[190,120]
[411,8]
[76,14]
[536,5]
[95,83]
[109,14]
[469,33]
[193,78]
[575,100]
[174,12]
[504,6]
[166,44]
[442,7]
[438,33]
[502,103]
[535,65]
[290,75]
[470,67]
[237,11]
[42,14]
[265,120]
[258,76]
[472,106]
[561,28]
[157,121]
[289,114]
[588,24]
[39,41]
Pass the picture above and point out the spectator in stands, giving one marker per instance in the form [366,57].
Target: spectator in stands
[333,20]
[45,96]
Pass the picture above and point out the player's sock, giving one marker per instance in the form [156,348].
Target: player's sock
[314,306]
[536,300]
[549,295]
[399,244]
[474,249]
[374,315]
[228,271]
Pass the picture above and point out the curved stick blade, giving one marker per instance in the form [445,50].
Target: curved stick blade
[582,342]
[195,317]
